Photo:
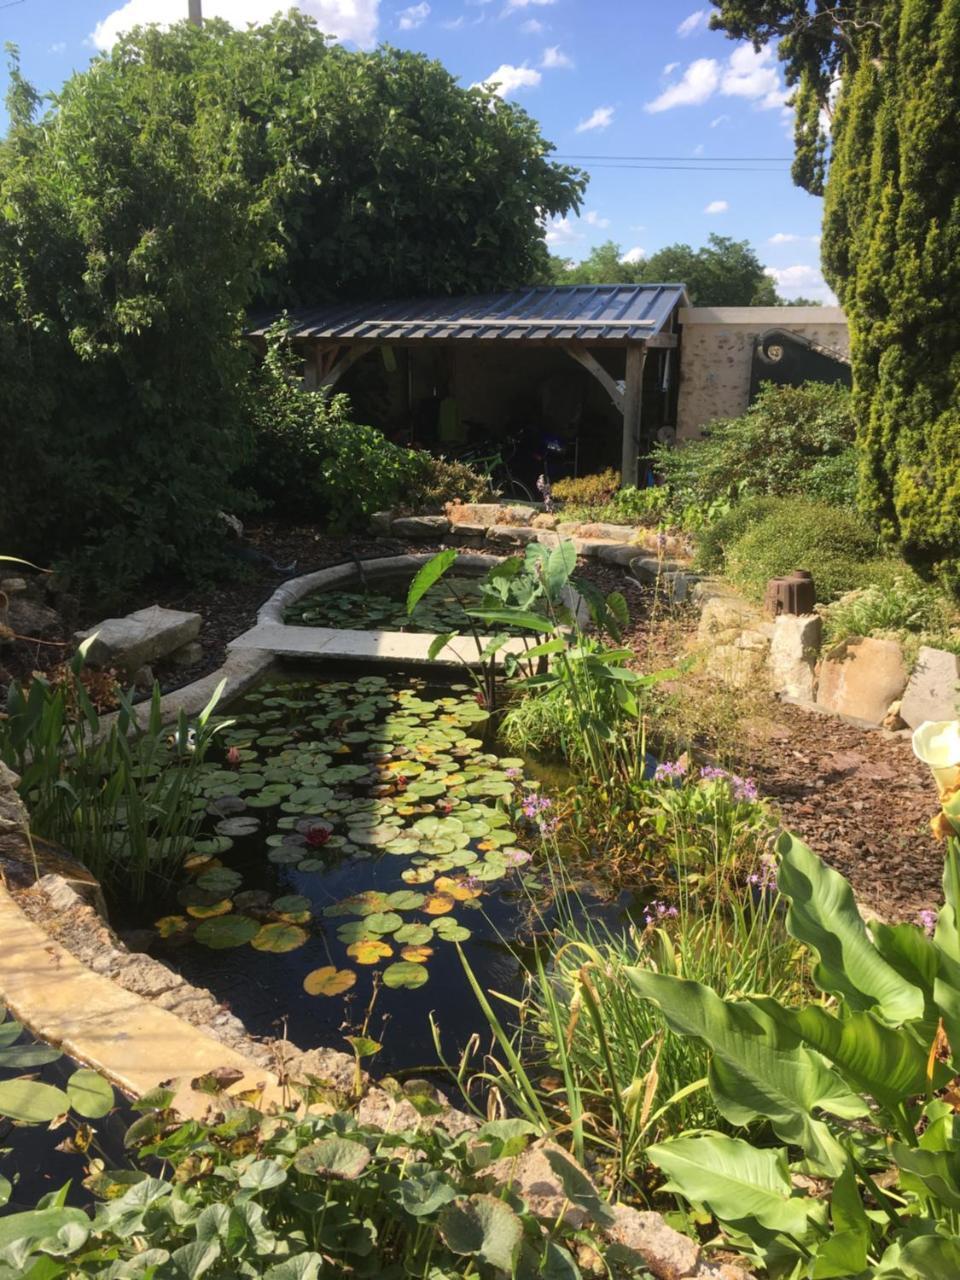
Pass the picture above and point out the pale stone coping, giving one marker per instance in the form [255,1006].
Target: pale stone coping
[132,1042]
[367,646]
[772,317]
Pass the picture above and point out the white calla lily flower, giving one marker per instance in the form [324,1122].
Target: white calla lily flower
[937,744]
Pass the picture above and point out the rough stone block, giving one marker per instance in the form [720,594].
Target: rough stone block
[794,650]
[188,655]
[861,677]
[620,554]
[545,520]
[487,513]
[512,535]
[608,532]
[649,569]
[932,691]
[380,523]
[11,586]
[28,618]
[737,664]
[140,638]
[723,617]
[420,526]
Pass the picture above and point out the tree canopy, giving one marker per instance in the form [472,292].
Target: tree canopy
[722,273]
[888,74]
[183,177]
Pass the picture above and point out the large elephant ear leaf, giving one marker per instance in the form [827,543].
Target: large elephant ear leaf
[823,914]
[431,572]
[738,1183]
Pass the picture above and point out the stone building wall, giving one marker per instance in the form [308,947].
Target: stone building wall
[717,352]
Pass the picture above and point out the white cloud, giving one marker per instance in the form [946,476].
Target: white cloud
[784,237]
[802,280]
[507,79]
[593,219]
[698,149]
[454,24]
[670,68]
[717,206]
[346,19]
[413,17]
[602,118]
[59,47]
[699,82]
[634,254]
[745,74]
[693,23]
[532,26]
[561,231]
[754,75]
[554,58]
[525,4]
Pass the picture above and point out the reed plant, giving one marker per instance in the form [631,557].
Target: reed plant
[121,796]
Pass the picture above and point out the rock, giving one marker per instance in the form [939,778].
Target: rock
[893,721]
[233,523]
[467,532]
[607,532]
[27,618]
[420,527]
[567,528]
[545,520]
[537,1176]
[640,1238]
[740,663]
[12,586]
[512,535]
[650,569]
[143,678]
[723,616]
[487,513]
[794,650]
[861,677]
[187,655]
[13,813]
[381,523]
[932,690]
[140,638]
[621,554]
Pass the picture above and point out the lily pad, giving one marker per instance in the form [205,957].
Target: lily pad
[226,931]
[383,922]
[405,974]
[369,951]
[416,955]
[414,934]
[438,904]
[206,911]
[329,981]
[279,937]
[291,902]
[242,826]
[455,933]
[169,926]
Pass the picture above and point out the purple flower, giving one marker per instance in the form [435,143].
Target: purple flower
[669,769]
[712,773]
[548,826]
[661,540]
[928,919]
[513,773]
[766,877]
[744,790]
[659,911]
[516,857]
[534,804]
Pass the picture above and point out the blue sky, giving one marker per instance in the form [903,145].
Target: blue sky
[606,78]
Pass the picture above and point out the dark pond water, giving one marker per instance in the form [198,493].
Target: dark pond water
[358,828]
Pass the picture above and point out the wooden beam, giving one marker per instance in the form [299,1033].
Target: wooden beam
[593,366]
[632,402]
[335,370]
[663,340]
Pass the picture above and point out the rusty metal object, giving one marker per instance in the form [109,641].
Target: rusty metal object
[794,594]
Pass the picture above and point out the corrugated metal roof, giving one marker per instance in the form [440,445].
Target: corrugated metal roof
[565,313]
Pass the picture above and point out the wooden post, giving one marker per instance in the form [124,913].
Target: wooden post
[195,12]
[632,404]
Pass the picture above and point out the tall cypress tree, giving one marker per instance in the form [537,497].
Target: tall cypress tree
[891,242]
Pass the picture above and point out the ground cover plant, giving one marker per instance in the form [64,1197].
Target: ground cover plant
[441,609]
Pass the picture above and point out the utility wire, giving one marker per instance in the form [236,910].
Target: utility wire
[689,168]
[574,155]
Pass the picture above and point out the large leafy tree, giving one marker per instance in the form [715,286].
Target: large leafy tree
[722,273]
[182,178]
[888,73]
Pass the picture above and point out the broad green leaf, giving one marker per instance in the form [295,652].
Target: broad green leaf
[303,1266]
[405,973]
[483,1227]
[923,1258]
[845,1253]
[5,1191]
[824,915]
[27,1055]
[30,1102]
[333,1158]
[227,931]
[279,938]
[938,1171]
[560,564]
[431,572]
[439,643]
[262,1175]
[91,1096]
[9,1031]
[329,981]
[512,618]
[736,1181]
[39,1224]
[427,1193]
[193,1260]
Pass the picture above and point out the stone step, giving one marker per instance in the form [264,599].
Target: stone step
[141,637]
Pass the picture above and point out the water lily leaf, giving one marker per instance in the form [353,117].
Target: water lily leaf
[417,955]
[363,1046]
[416,875]
[333,1157]
[455,933]
[30,1102]
[286,854]
[383,922]
[438,904]
[213,845]
[404,900]
[220,880]
[226,931]
[459,890]
[414,934]
[205,911]
[90,1095]
[405,974]
[328,981]
[244,826]
[279,937]
[168,926]
[369,951]
[483,1226]
[292,902]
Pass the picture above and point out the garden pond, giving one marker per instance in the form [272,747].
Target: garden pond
[360,831]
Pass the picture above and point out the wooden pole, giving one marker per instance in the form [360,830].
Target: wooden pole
[632,404]
[195,12]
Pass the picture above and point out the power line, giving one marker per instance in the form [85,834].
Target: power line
[575,155]
[688,168]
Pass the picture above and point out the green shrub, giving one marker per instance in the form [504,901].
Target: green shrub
[790,440]
[587,491]
[715,539]
[836,545]
[310,460]
[444,480]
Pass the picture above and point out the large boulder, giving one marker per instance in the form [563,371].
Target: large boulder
[794,650]
[430,527]
[723,616]
[140,638]
[26,617]
[933,691]
[861,677]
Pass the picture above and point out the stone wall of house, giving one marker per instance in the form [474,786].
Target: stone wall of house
[717,353]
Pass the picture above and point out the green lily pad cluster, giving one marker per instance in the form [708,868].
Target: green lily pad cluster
[442,608]
[322,772]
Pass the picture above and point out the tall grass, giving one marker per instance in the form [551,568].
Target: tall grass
[121,799]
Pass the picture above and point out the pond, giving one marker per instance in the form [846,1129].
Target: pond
[360,831]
